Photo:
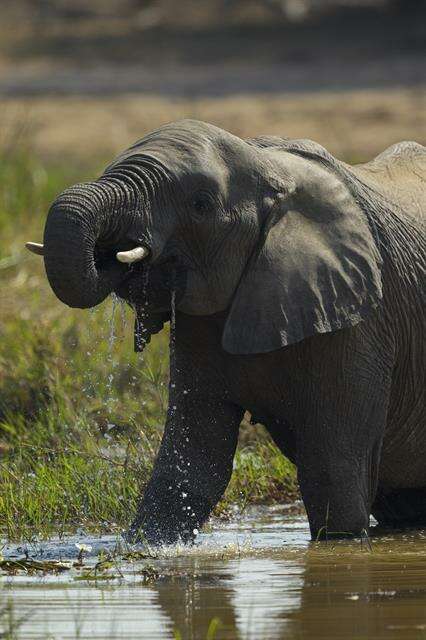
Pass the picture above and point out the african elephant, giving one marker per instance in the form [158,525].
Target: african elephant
[299,288]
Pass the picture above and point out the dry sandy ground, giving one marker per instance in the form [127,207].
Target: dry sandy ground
[354,125]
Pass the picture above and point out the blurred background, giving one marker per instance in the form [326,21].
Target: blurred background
[79,82]
[93,76]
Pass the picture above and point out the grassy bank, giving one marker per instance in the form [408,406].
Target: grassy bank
[81,415]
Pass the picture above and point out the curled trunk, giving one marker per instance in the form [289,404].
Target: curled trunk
[81,267]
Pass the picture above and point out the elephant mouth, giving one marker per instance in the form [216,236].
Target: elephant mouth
[152,285]
[152,290]
[105,254]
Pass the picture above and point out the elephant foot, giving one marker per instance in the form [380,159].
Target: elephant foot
[324,535]
[168,516]
[336,507]
[158,535]
[334,523]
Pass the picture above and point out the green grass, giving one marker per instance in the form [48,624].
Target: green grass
[81,415]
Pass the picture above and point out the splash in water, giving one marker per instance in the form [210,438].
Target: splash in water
[258,575]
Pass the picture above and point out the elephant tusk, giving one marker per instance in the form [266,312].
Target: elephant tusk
[35,247]
[134,255]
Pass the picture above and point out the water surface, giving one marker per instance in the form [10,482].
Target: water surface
[256,578]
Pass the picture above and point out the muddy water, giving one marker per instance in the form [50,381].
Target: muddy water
[256,578]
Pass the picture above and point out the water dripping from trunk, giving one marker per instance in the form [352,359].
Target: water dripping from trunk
[173,333]
[172,347]
[173,310]
[141,311]
[141,314]
[91,383]
[112,362]
[113,336]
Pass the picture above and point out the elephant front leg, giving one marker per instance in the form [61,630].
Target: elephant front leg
[194,463]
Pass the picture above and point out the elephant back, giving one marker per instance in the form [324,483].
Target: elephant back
[399,174]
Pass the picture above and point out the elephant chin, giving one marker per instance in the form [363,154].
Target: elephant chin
[199,305]
[204,297]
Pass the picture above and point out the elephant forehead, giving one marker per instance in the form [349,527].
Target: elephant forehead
[176,152]
[176,158]
[187,147]
[180,144]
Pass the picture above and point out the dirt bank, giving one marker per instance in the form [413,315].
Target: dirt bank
[355,125]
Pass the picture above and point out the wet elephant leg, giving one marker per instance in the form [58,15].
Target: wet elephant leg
[337,497]
[195,460]
[191,472]
[338,462]
[340,438]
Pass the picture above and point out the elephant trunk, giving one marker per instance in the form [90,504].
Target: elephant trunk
[80,263]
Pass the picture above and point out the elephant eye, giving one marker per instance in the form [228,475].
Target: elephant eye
[202,203]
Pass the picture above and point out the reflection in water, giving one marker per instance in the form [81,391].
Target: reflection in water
[364,595]
[261,577]
[266,591]
[192,602]
[99,613]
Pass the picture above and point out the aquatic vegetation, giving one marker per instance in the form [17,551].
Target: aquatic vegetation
[81,414]
[30,566]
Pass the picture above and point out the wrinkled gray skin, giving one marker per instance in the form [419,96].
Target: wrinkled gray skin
[300,291]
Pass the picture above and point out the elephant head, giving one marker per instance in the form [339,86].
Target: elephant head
[268,231]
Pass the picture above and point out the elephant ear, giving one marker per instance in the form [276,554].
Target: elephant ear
[318,267]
